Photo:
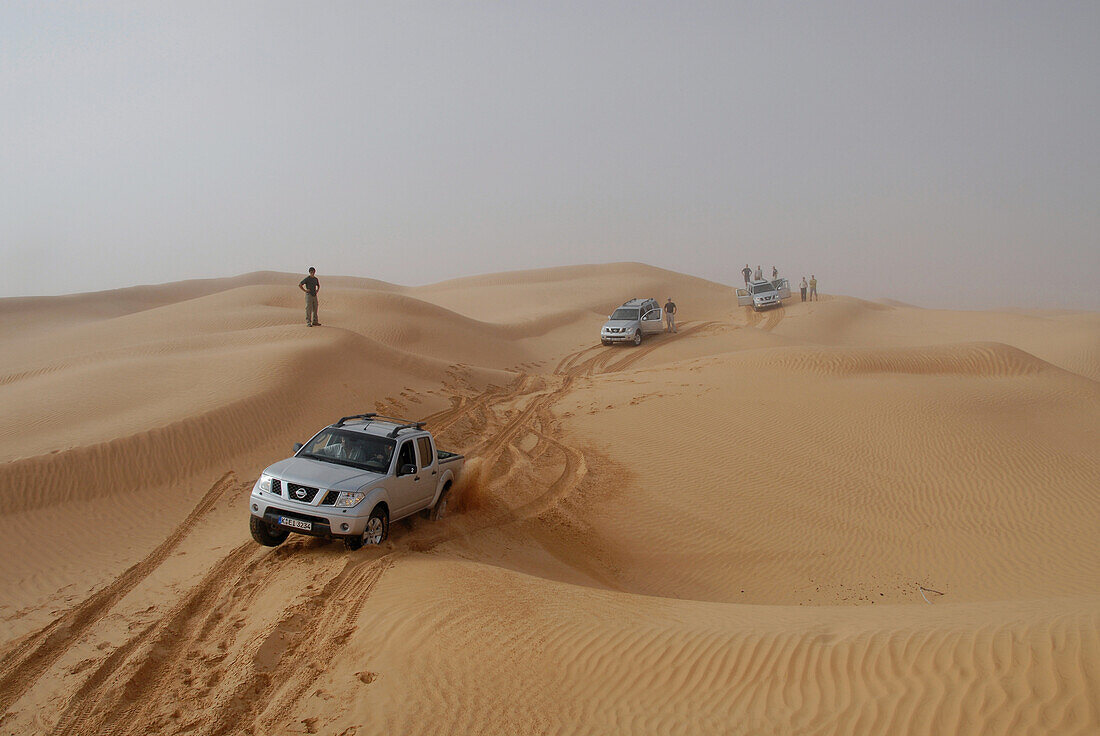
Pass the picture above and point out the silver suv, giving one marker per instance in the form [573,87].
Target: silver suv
[632,321]
[764,294]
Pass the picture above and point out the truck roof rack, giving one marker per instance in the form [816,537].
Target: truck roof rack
[371,416]
[410,425]
[364,417]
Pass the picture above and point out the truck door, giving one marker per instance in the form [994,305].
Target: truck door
[405,487]
[429,472]
[783,287]
[744,298]
[651,321]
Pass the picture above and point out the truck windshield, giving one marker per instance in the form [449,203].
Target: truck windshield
[762,288]
[354,449]
[622,313]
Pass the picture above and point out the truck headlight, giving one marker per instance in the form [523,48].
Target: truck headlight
[347,499]
[264,483]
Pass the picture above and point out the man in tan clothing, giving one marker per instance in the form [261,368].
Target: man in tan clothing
[310,285]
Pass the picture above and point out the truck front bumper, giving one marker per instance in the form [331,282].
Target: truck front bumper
[306,519]
[618,337]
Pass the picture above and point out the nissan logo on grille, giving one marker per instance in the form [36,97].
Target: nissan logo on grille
[300,493]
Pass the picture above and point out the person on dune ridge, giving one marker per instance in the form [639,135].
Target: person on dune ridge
[311,286]
[670,315]
[813,288]
[747,273]
[802,287]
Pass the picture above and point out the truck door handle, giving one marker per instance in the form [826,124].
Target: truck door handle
[433,472]
[417,478]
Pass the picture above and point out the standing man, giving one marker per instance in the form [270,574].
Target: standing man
[813,288]
[747,273]
[670,315]
[775,273]
[310,285]
[802,286]
[759,275]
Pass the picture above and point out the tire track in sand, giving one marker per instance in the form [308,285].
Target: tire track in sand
[604,359]
[770,319]
[279,678]
[773,318]
[139,688]
[108,701]
[689,329]
[26,663]
[535,418]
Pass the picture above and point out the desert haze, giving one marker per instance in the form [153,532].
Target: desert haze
[837,517]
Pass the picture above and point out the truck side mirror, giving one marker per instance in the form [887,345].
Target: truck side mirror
[407,469]
[297,446]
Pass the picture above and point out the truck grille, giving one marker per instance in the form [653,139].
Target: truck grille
[330,498]
[276,486]
[302,494]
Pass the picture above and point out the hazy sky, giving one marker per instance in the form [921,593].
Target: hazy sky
[931,152]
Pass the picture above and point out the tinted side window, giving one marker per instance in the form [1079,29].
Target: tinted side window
[426,456]
[406,457]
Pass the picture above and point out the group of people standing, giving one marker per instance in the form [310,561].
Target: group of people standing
[812,286]
[758,275]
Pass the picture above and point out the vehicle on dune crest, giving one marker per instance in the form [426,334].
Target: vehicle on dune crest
[764,294]
[632,321]
[351,480]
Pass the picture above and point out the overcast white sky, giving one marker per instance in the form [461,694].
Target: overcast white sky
[937,153]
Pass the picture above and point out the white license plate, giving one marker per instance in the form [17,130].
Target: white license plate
[295,523]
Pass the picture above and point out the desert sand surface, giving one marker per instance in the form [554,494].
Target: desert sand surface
[837,517]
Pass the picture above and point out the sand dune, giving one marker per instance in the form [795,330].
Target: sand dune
[837,517]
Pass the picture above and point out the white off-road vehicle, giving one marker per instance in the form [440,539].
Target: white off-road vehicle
[351,480]
[764,294]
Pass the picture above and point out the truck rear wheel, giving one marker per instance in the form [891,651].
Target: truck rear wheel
[378,528]
[266,534]
[440,508]
[637,338]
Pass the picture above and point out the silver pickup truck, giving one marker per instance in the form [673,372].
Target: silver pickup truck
[351,480]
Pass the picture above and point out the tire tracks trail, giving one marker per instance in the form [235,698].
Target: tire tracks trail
[314,630]
[35,653]
[190,671]
[767,321]
[119,690]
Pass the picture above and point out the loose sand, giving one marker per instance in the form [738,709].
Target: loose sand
[722,531]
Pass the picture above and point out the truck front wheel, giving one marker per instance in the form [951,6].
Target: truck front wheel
[265,534]
[637,338]
[378,528]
